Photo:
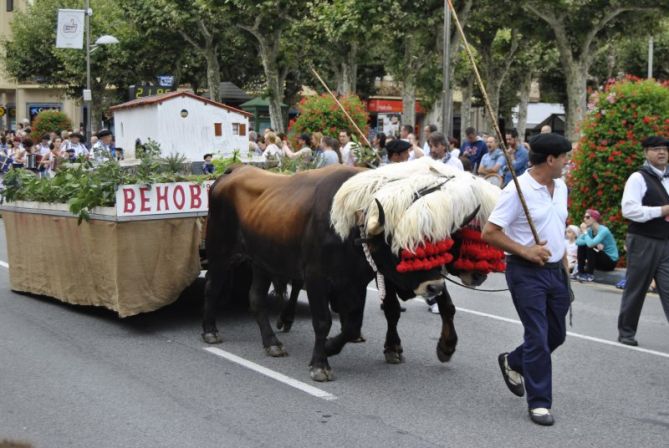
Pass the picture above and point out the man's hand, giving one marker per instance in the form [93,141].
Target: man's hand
[538,253]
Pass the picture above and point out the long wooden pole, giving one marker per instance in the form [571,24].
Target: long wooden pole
[360,133]
[500,137]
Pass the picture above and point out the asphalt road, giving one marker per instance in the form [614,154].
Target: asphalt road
[81,377]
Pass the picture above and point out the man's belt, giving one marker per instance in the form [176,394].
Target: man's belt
[520,261]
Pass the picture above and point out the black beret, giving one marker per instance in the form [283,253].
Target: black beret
[103,133]
[397,146]
[653,141]
[550,144]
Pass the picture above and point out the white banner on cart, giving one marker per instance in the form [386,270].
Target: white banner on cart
[162,199]
[70,32]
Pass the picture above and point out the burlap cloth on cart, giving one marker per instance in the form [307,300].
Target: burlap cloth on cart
[128,267]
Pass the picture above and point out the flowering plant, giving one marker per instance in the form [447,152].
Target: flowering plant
[322,114]
[620,116]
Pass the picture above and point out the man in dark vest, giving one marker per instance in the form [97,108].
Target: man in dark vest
[646,204]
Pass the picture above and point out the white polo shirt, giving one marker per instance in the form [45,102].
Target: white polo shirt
[549,214]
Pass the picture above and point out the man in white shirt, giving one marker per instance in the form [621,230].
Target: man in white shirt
[441,151]
[74,145]
[427,131]
[536,273]
[645,203]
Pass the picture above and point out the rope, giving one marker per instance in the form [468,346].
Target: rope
[471,287]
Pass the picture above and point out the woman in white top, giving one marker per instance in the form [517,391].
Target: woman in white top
[272,151]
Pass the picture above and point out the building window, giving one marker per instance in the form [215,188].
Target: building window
[218,129]
[238,129]
[10,5]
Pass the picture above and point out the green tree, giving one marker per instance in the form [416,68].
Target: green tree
[266,21]
[581,29]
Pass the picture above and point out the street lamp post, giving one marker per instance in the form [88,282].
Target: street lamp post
[446,94]
[102,40]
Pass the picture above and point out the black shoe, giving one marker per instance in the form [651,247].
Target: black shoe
[516,388]
[628,340]
[541,416]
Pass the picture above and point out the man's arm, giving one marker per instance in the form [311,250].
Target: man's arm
[495,236]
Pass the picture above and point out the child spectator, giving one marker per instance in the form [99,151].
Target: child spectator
[208,167]
[571,234]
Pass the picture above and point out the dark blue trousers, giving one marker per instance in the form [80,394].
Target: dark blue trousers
[541,298]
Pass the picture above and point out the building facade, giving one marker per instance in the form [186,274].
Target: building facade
[24,100]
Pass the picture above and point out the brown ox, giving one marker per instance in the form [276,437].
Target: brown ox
[281,227]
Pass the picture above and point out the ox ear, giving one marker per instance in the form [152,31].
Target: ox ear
[469,217]
[375,226]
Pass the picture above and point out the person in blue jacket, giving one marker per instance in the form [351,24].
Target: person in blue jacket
[518,154]
[597,247]
[474,148]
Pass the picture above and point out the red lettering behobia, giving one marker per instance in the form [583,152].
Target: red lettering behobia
[178,197]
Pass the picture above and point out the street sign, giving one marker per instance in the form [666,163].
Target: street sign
[3,111]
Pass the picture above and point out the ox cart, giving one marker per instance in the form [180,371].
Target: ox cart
[132,258]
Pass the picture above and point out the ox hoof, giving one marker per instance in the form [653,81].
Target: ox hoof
[212,338]
[444,355]
[394,355]
[394,358]
[359,339]
[321,375]
[284,325]
[276,351]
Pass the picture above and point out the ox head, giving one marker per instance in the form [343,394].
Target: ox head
[419,272]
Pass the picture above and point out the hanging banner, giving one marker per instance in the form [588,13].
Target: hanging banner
[70,32]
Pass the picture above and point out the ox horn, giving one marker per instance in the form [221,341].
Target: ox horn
[376,227]
[469,217]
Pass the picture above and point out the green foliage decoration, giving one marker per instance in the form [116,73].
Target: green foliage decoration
[84,187]
[50,121]
[321,114]
[620,117]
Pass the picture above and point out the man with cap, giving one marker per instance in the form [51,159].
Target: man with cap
[398,150]
[74,147]
[102,150]
[536,273]
[645,203]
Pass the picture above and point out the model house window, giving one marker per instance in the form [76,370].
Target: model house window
[238,129]
[10,5]
[218,129]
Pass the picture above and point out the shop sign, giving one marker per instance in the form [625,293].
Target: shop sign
[377,105]
[162,199]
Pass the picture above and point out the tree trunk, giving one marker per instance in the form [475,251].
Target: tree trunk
[269,52]
[434,115]
[466,107]
[213,72]
[347,79]
[576,76]
[525,87]
[409,101]
[494,89]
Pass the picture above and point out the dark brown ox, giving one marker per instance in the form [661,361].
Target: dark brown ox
[280,226]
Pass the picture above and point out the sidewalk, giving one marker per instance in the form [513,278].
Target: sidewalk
[610,278]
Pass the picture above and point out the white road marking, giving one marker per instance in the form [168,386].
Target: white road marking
[4,264]
[569,333]
[311,390]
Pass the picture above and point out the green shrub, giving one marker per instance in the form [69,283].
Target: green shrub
[321,114]
[621,116]
[49,121]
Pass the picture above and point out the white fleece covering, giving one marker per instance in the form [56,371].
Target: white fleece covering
[411,222]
